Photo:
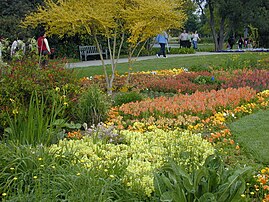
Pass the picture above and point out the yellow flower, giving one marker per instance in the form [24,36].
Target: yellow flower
[57,89]
[4,194]
[263,171]
[15,178]
[40,159]
[78,174]
[12,168]
[15,111]
[35,177]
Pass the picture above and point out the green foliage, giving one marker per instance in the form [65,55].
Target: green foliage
[206,80]
[36,125]
[125,97]
[37,174]
[92,106]
[212,182]
[20,78]
[9,24]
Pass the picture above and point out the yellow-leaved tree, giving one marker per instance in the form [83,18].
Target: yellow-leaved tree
[147,18]
[112,19]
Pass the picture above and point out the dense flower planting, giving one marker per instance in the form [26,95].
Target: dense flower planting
[180,80]
[141,154]
[201,104]
[140,137]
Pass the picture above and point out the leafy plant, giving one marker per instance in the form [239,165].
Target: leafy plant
[37,174]
[122,98]
[36,125]
[211,182]
[92,106]
[20,79]
[205,80]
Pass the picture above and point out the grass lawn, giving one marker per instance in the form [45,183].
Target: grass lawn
[252,133]
[191,62]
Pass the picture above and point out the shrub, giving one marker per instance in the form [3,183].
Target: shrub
[92,106]
[125,97]
[21,78]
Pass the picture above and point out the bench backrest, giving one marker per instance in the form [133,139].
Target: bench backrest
[85,51]
[88,49]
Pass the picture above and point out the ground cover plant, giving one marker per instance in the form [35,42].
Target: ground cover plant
[144,148]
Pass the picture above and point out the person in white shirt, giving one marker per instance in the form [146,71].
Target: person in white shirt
[183,39]
[16,46]
[195,38]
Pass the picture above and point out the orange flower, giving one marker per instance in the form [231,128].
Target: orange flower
[263,180]
[266,198]
[266,187]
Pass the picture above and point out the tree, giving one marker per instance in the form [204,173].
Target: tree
[132,21]
[223,16]
[231,16]
[11,13]
[147,18]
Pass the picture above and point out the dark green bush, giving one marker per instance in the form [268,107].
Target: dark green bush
[92,106]
[121,98]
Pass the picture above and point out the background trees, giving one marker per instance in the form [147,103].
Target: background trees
[11,13]
[222,19]
[230,17]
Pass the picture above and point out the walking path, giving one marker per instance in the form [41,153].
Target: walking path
[125,60]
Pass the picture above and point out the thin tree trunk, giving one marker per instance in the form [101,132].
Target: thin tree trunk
[212,25]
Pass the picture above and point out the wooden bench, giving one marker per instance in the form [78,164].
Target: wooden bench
[85,51]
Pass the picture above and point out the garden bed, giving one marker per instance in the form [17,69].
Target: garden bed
[142,146]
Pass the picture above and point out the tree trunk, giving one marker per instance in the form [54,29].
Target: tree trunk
[218,37]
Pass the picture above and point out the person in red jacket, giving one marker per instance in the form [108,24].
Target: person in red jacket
[43,49]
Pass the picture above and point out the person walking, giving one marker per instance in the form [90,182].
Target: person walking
[240,42]
[43,49]
[231,42]
[162,39]
[183,39]
[195,38]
